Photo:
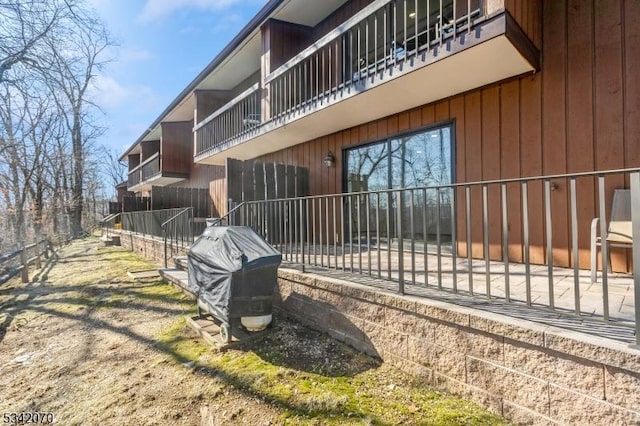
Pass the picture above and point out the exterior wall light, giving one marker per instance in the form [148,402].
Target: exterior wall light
[329,159]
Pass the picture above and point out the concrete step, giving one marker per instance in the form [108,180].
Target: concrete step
[181,262]
[178,278]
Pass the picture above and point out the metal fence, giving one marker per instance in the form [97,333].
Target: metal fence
[524,241]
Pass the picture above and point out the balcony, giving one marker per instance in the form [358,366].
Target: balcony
[389,57]
[150,173]
[236,121]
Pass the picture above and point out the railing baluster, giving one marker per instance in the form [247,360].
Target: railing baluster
[326,223]
[485,235]
[413,237]
[505,241]
[378,246]
[425,238]
[399,227]
[634,181]
[604,247]
[367,200]
[549,233]
[342,228]
[467,190]
[525,239]
[389,200]
[359,224]
[320,232]
[351,233]
[438,239]
[454,242]
[335,233]
[313,230]
[309,232]
[574,245]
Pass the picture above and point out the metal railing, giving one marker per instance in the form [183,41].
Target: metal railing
[524,241]
[382,36]
[111,222]
[177,233]
[150,167]
[241,116]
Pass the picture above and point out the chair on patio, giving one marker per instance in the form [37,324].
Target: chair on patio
[618,231]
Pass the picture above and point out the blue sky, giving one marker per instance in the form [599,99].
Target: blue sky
[163,45]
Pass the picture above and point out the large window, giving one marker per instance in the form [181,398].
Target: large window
[417,160]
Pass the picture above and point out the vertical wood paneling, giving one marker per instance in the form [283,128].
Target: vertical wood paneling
[510,150]
[609,126]
[531,155]
[554,143]
[491,162]
[473,147]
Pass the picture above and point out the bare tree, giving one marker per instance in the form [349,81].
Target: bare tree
[50,53]
[25,26]
[70,71]
[114,169]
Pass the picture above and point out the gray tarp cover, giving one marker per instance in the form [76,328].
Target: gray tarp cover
[219,259]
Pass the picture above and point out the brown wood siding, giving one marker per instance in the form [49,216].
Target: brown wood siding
[527,14]
[149,149]
[177,151]
[281,41]
[218,191]
[209,101]
[580,113]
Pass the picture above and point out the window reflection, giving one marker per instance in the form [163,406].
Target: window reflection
[415,161]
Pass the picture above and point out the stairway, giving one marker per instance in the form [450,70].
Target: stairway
[177,276]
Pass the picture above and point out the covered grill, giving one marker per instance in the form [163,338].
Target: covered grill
[233,272]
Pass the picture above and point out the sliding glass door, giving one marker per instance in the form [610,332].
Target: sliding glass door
[418,160]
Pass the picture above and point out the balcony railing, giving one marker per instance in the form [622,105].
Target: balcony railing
[240,117]
[519,241]
[381,37]
[134,177]
[150,167]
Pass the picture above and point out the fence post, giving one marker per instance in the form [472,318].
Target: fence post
[25,266]
[634,180]
[38,261]
[46,249]
[164,235]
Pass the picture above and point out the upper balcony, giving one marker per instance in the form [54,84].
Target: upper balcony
[391,56]
[161,162]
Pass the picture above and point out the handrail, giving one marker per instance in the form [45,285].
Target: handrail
[164,231]
[465,184]
[227,106]
[326,39]
[184,210]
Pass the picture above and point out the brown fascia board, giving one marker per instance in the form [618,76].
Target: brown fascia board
[253,24]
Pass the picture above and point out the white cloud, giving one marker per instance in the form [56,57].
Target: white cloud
[109,94]
[155,10]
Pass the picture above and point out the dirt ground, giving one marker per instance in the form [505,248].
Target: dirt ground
[91,345]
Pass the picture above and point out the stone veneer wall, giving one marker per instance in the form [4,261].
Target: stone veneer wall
[527,372]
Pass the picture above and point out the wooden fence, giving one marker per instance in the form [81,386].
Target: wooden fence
[18,261]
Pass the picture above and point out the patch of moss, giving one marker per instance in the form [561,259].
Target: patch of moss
[306,397]
[179,345]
